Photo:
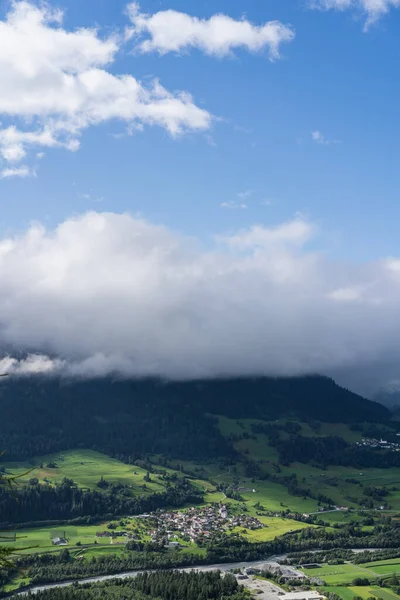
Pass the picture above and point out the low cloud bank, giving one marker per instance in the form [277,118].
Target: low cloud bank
[107,293]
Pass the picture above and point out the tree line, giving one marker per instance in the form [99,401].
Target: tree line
[66,501]
[172,585]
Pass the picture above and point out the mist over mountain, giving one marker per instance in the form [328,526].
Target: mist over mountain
[110,294]
[389,397]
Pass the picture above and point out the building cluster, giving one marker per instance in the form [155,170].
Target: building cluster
[332,508]
[113,534]
[284,572]
[199,523]
[373,443]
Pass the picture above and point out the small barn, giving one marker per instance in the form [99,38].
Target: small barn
[59,541]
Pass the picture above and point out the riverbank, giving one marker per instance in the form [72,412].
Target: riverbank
[223,567]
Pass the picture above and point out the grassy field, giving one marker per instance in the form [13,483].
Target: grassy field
[275,497]
[39,539]
[349,593]
[330,482]
[385,567]
[275,527]
[85,467]
[335,574]
[272,496]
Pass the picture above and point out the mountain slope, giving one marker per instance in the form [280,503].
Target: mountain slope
[132,418]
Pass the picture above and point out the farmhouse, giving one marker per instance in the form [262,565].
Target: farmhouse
[173,545]
[59,541]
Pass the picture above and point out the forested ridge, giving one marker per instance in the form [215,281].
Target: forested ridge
[127,419]
[333,450]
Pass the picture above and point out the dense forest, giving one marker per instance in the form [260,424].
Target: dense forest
[333,450]
[66,501]
[171,585]
[128,419]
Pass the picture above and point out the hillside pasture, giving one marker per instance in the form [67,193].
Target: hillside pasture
[384,567]
[346,593]
[375,591]
[86,468]
[336,574]
[274,527]
[333,482]
[349,593]
[39,539]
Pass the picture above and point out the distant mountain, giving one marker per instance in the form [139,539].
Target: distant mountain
[314,397]
[389,397]
[133,418]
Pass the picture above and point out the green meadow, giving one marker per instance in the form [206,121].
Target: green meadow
[332,482]
[349,593]
[274,527]
[39,539]
[85,467]
[385,567]
[336,574]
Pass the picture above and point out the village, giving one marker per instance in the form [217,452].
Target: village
[193,525]
[374,443]
[170,529]
[199,524]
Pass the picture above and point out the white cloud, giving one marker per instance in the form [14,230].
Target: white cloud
[346,294]
[13,153]
[372,9]
[233,205]
[55,84]
[33,364]
[172,31]
[319,138]
[22,172]
[107,293]
[246,194]
[296,232]
[90,196]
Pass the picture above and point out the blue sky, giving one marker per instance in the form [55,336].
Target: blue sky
[333,77]
[201,189]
